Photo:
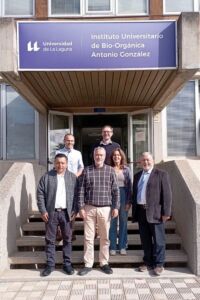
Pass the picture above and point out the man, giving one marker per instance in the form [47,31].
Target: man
[98,201]
[75,161]
[152,200]
[107,143]
[57,204]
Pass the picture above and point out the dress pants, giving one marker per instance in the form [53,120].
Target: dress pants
[99,216]
[58,218]
[152,238]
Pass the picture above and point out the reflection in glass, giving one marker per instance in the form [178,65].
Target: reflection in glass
[132,7]
[99,5]
[62,7]
[20,125]
[178,6]
[18,7]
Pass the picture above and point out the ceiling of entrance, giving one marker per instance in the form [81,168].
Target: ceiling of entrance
[113,90]
[72,90]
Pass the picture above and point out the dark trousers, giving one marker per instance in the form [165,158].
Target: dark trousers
[58,218]
[153,240]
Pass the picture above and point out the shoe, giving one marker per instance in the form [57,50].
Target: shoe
[107,269]
[112,252]
[158,271]
[144,268]
[68,270]
[47,271]
[84,271]
[123,252]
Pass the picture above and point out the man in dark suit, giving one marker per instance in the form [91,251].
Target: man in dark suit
[152,199]
[56,199]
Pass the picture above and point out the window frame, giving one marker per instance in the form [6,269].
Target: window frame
[195,8]
[102,12]
[2,12]
[65,15]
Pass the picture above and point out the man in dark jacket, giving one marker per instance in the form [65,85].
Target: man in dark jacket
[152,199]
[56,200]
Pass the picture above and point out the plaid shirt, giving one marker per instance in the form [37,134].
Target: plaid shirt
[98,187]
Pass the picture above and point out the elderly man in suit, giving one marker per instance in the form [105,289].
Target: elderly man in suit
[152,199]
[56,199]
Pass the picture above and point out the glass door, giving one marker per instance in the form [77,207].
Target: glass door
[58,125]
[140,135]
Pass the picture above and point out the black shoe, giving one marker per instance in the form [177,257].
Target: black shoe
[68,270]
[107,269]
[47,271]
[84,271]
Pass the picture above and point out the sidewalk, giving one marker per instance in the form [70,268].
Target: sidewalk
[123,284]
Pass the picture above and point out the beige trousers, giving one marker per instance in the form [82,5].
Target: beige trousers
[101,217]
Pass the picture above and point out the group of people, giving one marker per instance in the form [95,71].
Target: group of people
[102,195]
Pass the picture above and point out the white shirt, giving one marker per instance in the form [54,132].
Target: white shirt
[75,161]
[143,193]
[61,192]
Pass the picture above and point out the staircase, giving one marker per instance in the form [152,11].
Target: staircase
[31,246]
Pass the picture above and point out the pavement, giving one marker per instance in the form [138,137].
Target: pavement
[123,284]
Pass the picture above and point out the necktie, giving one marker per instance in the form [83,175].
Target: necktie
[139,189]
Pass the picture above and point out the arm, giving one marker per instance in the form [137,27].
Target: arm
[80,165]
[115,195]
[166,194]
[41,198]
[81,194]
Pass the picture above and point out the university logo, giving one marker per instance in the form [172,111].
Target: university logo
[34,48]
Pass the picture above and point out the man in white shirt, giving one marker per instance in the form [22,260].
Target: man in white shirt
[56,199]
[75,161]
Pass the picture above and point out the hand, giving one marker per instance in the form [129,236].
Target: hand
[45,217]
[73,216]
[165,218]
[82,213]
[127,206]
[114,213]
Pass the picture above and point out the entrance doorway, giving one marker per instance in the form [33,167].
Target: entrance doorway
[87,131]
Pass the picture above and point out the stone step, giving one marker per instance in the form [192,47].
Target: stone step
[78,225]
[134,239]
[133,256]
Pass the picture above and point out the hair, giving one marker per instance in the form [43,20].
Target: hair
[68,134]
[107,126]
[123,158]
[146,153]
[99,148]
[60,155]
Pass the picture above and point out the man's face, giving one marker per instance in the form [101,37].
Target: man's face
[107,133]
[69,141]
[60,165]
[99,157]
[147,162]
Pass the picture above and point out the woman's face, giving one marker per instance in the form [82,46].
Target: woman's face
[117,157]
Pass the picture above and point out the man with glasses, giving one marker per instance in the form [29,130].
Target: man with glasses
[107,143]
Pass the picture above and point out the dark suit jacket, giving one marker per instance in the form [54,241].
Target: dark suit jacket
[158,196]
[46,192]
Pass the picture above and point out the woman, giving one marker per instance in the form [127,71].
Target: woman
[118,162]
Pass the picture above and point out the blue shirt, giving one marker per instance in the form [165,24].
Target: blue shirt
[145,177]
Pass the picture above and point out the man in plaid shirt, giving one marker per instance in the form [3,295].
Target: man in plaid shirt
[98,201]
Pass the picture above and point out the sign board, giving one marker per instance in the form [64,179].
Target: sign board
[96,45]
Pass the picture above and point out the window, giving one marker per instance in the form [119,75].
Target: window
[18,126]
[63,7]
[18,7]
[98,5]
[132,7]
[171,6]
[181,124]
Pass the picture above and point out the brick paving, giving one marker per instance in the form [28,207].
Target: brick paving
[103,288]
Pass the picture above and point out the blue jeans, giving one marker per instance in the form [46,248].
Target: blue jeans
[123,216]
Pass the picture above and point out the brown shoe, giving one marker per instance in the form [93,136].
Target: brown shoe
[144,268]
[158,271]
